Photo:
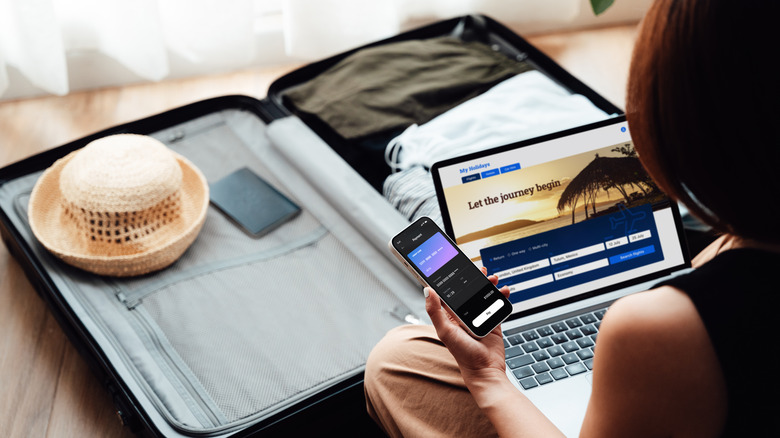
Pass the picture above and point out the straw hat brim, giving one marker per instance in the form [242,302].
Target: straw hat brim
[50,226]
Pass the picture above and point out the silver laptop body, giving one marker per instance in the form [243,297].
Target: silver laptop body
[570,222]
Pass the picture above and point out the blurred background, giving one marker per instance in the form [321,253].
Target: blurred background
[53,47]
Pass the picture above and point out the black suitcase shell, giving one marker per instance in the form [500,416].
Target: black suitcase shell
[318,411]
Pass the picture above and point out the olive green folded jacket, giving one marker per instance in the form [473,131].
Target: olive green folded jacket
[400,84]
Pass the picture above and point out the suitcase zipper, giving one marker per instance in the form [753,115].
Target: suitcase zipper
[181,376]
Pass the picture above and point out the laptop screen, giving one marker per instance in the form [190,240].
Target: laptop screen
[561,217]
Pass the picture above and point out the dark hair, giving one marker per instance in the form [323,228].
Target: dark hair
[702,105]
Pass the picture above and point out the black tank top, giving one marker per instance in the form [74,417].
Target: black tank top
[737,295]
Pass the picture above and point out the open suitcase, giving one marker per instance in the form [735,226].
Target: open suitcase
[241,335]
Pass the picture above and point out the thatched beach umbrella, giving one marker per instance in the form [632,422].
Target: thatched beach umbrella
[604,173]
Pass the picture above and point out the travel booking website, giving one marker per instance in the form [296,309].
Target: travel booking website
[561,219]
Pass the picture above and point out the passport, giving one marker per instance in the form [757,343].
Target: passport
[251,202]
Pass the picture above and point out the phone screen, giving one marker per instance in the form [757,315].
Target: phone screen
[438,262]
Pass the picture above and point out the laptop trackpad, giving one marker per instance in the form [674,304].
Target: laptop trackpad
[564,402]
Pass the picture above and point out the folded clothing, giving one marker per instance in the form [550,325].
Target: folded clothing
[396,85]
[411,192]
[522,107]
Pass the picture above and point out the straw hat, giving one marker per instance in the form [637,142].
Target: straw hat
[122,205]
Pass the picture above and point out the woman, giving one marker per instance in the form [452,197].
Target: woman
[673,361]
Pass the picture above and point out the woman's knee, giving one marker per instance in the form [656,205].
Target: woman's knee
[400,347]
[413,386]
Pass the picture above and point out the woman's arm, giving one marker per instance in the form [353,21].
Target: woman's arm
[510,411]
[655,372]
[482,366]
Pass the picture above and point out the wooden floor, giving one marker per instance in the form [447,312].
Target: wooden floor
[46,388]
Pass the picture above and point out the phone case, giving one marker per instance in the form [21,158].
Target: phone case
[244,336]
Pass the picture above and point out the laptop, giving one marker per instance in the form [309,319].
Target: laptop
[570,222]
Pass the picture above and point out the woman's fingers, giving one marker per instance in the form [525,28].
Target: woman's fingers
[494,279]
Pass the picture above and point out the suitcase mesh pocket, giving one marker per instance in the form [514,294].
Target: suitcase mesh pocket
[256,346]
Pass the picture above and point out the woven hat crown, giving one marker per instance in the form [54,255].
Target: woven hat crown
[120,192]
[123,173]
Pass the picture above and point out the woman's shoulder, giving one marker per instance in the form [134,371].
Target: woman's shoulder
[655,368]
[662,322]
[747,251]
[662,308]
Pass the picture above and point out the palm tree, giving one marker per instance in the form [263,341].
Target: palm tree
[605,173]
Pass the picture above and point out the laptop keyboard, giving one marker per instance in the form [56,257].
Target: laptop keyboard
[554,351]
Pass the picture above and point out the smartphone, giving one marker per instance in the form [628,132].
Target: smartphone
[431,256]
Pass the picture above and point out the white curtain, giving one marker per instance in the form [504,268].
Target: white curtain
[55,46]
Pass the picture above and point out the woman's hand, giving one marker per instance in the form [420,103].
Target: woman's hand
[481,363]
[477,358]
